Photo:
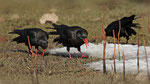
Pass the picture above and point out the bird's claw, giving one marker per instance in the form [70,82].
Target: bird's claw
[83,56]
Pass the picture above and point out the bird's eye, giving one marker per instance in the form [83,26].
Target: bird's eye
[84,36]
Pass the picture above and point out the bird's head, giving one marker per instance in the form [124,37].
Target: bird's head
[83,36]
[44,45]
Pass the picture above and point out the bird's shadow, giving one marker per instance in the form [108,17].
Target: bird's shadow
[122,43]
[24,51]
[62,54]
[66,55]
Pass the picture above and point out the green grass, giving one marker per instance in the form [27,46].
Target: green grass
[17,66]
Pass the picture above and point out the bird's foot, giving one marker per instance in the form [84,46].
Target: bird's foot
[83,56]
[70,55]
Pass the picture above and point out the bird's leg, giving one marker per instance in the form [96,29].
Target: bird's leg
[68,49]
[127,37]
[83,56]
[37,49]
[30,46]
[69,55]
[127,42]
[35,57]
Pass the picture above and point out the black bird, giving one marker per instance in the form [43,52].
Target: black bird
[126,27]
[32,37]
[70,36]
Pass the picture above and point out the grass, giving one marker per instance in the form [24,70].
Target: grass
[15,64]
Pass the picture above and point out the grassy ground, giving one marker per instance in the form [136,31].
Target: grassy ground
[16,67]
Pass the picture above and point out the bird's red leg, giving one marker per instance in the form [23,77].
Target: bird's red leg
[37,49]
[30,46]
[83,56]
[69,55]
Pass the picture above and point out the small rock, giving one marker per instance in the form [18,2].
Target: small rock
[142,76]
[14,17]
[49,17]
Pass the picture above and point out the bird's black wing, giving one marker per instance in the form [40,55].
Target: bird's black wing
[64,31]
[19,32]
[113,26]
[22,35]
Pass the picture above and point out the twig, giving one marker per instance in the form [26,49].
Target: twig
[123,65]
[138,57]
[112,72]
[35,74]
[119,38]
[114,51]
[145,47]
[148,26]
[29,44]
[104,46]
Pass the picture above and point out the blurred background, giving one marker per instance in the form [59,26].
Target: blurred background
[84,13]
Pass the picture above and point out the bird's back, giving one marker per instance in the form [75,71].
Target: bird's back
[126,24]
[35,34]
[67,35]
[127,21]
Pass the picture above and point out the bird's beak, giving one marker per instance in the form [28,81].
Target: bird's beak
[86,42]
[43,52]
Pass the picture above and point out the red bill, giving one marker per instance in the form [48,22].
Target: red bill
[86,42]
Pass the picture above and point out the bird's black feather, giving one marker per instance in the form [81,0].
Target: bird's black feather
[69,36]
[37,36]
[126,27]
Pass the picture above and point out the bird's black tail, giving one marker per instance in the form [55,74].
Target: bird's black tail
[18,39]
[128,22]
[53,33]
[128,18]
[135,25]
[58,28]
[130,31]
[132,17]
[16,31]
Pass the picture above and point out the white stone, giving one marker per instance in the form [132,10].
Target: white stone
[52,17]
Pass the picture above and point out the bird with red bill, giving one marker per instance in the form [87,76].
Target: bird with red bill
[32,37]
[70,36]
